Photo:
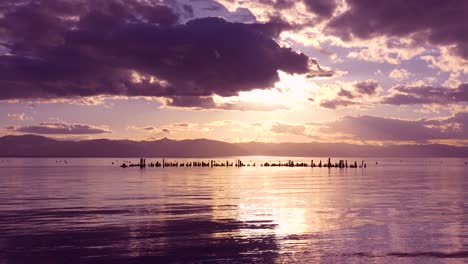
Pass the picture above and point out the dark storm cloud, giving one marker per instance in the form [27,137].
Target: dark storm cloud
[406,95]
[437,22]
[72,48]
[38,24]
[389,129]
[59,128]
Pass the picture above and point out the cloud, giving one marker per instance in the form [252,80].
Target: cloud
[17,116]
[208,103]
[295,11]
[184,125]
[368,19]
[323,8]
[197,102]
[447,61]
[372,128]
[221,123]
[453,81]
[346,93]
[368,87]
[336,103]
[75,49]
[408,95]
[251,106]
[350,94]
[280,128]
[387,32]
[153,130]
[399,74]
[59,129]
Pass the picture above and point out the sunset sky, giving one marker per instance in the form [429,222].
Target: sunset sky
[357,71]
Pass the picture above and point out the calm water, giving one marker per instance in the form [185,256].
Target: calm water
[90,211]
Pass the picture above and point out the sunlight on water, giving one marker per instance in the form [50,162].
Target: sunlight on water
[92,211]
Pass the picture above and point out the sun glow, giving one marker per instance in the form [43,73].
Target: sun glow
[289,91]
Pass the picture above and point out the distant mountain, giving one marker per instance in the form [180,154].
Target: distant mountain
[38,146]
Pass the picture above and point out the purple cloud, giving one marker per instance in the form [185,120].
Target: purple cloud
[345,93]
[390,129]
[355,93]
[432,21]
[137,50]
[181,124]
[204,103]
[368,87]
[59,129]
[17,116]
[251,106]
[323,8]
[408,95]
[280,128]
[372,128]
[336,103]
[192,102]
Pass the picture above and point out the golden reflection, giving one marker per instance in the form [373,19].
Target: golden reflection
[260,198]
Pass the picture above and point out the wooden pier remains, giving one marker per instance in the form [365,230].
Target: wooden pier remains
[239,163]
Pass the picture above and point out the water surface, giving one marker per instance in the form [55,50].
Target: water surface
[90,211]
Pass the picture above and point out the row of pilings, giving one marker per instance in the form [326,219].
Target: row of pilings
[239,163]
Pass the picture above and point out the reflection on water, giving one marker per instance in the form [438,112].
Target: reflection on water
[89,211]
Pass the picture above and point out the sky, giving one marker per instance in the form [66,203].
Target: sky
[355,71]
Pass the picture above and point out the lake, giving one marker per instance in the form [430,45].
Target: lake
[93,211]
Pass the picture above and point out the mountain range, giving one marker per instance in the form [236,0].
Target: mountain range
[39,146]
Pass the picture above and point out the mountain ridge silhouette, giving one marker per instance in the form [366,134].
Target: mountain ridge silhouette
[40,146]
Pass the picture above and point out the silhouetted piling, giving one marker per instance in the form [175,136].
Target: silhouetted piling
[239,163]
